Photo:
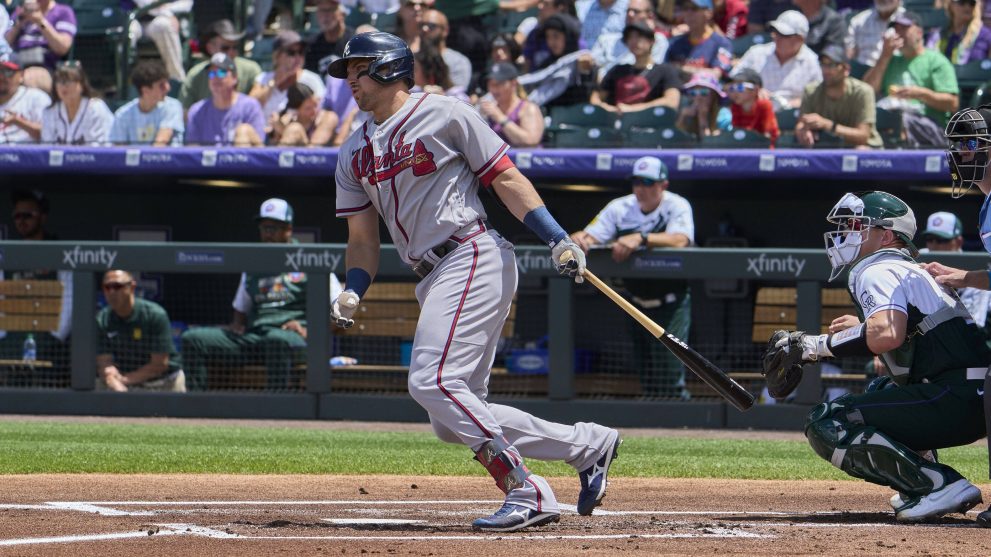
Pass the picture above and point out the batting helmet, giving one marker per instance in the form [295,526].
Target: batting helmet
[969,144]
[391,58]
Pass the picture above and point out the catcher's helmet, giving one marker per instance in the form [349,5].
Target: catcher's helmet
[969,142]
[391,59]
[855,214]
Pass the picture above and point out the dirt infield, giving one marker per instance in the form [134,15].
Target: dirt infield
[192,515]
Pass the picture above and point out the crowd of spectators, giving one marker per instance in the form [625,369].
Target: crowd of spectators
[719,65]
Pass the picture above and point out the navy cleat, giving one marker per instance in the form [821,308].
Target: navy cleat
[511,518]
[594,480]
[984,519]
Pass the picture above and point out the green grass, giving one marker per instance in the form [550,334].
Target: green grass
[55,447]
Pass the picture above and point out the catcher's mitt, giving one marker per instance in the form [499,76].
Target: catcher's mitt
[783,363]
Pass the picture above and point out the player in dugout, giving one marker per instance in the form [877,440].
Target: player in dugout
[935,354]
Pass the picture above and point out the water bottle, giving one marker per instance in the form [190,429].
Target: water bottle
[30,349]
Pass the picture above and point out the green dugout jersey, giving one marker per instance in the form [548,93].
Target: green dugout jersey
[890,279]
[133,340]
[271,300]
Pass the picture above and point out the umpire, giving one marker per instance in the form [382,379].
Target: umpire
[269,314]
[650,217]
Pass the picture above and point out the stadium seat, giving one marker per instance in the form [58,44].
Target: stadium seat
[384,21]
[857,69]
[787,140]
[652,118]
[510,20]
[357,17]
[589,137]
[667,137]
[889,125]
[787,118]
[741,44]
[735,139]
[261,52]
[932,18]
[971,76]
[587,115]
[982,95]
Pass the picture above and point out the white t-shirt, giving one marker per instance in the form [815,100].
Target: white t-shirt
[623,216]
[90,127]
[277,99]
[29,103]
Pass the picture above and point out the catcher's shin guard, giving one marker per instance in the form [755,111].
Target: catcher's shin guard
[839,435]
[506,467]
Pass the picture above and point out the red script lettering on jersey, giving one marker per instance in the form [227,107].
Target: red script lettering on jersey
[402,156]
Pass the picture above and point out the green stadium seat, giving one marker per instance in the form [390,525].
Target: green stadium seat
[857,69]
[587,115]
[510,20]
[971,76]
[661,138]
[787,140]
[982,95]
[586,137]
[357,17]
[262,50]
[97,17]
[385,22]
[652,118]
[735,139]
[787,119]
[889,125]
[932,18]
[742,44]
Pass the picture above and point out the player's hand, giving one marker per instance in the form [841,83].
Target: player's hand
[573,265]
[947,276]
[815,121]
[296,327]
[343,308]
[843,323]
[625,245]
[782,363]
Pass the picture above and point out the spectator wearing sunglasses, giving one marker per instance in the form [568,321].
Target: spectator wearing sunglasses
[30,216]
[135,351]
[750,110]
[841,105]
[226,117]
[154,118]
[220,37]
[434,29]
[76,116]
[20,106]
[704,114]
[271,87]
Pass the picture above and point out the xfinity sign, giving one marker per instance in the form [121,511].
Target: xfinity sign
[324,259]
[80,256]
[765,264]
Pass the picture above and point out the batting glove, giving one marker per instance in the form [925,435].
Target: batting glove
[343,308]
[569,259]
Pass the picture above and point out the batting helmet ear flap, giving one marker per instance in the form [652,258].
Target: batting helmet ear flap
[390,58]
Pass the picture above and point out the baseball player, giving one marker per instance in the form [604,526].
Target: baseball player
[651,216]
[969,138]
[929,343]
[419,161]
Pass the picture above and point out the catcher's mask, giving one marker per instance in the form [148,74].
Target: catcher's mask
[968,146]
[854,215]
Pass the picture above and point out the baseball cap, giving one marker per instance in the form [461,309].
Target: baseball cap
[503,71]
[6,61]
[701,79]
[222,28]
[748,75]
[650,168]
[943,225]
[223,62]
[791,22]
[836,53]
[906,18]
[704,4]
[638,27]
[275,209]
[285,39]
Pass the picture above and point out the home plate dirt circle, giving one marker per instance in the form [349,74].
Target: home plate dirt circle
[187,515]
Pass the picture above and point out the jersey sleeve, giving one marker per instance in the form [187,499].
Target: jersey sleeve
[877,289]
[603,226]
[484,151]
[681,221]
[242,301]
[351,197]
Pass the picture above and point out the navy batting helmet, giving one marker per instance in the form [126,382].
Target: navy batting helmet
[391,58]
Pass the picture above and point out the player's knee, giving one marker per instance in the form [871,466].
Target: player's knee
[191,339]
[444,433]
[828,425]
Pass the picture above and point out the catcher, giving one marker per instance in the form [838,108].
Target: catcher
[932,348]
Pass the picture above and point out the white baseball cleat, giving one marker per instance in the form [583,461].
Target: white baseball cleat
[957,497]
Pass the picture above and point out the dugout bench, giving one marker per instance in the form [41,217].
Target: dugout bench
[28,306]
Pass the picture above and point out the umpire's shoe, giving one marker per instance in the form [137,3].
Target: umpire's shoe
[594,480]
[511,518]
[957,497]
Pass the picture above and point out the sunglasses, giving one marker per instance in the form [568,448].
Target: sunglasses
[740,87]
[829,64]
[217,74]
[271,228]
[698,92]
[963,145]
[227,48]
[643,182]
[431,26]
[25,215]
[7,72]
[294,52]
[69,64]
[115,286]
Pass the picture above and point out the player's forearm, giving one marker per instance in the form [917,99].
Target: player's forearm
[853,136]
[517,193]
[945,102]
[874,75]
[978,279]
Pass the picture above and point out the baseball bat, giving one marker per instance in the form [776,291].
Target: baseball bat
[706,370]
